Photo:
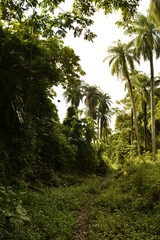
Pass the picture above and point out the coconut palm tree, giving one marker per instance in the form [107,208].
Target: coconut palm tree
[92,96]
[73,93]
[121,59]
[141,84]
[147,42]
[104,111]
[154,12]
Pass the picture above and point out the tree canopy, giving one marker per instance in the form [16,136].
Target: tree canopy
[38,151]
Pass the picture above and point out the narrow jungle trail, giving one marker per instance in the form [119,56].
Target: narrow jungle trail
[123,207]
[117,207]
[82,232]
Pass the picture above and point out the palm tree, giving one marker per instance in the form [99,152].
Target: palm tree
[154,12]
[122,57]
[74,93]
[147,42]
[104,111]
[141,84]
[92,96]
[128,104]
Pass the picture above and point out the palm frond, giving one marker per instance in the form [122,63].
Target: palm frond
[111,60]
[115,68]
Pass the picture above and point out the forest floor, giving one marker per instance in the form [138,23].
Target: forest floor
[82,220]
[82,231]
[124,205]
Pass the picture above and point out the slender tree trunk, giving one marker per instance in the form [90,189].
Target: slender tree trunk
[152,105]
[106,134]
[73,103]
[132,135]
[101,125]
[145,126]
[134,114]
[31,50]
[132,126]
[2,53]
[98,126]
[30,83]
[76,106]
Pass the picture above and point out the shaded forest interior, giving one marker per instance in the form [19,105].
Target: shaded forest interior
[49,170]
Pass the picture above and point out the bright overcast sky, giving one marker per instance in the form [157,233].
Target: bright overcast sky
[92,54]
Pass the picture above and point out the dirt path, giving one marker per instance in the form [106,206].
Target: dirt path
[82,219]
[82,231]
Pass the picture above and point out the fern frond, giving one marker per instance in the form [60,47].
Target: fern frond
[2,223]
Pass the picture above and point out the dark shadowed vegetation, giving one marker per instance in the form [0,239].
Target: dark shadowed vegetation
[50,171]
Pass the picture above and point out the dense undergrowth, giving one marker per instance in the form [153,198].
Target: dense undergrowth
[43,161]
[129,205]
[44,213]
[125,205]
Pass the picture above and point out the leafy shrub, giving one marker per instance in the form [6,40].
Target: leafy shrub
[129,206]
[53,212]
[12,213]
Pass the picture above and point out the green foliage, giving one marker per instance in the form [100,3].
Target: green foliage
[80,133]
[74,92]
[37,150]
[118,148]
[128,208]
[154,14]
[53,211]
[103,167]
[43,19]
[32,143]
[127,9]
[92,96]
[2,224]
[12,213]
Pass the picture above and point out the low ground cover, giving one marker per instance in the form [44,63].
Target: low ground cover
[125,204]
[129,206]
[47,214]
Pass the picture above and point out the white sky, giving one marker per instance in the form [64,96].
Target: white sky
[92,55]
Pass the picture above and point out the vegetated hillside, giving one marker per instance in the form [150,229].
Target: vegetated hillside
[124,204]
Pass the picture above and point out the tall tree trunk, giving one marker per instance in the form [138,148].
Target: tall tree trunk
[101,125]
[132,136]
[131,126]
[98,125]
[152,105]
[30,83]
[106,134]
[76,105]
[2,52]
[145,126]
[134,114]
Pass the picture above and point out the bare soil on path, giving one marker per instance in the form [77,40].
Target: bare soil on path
[82,231]
[82,218]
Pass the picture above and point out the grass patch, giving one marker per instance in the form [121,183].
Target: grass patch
[52,213]
[129,208]
[124,205]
